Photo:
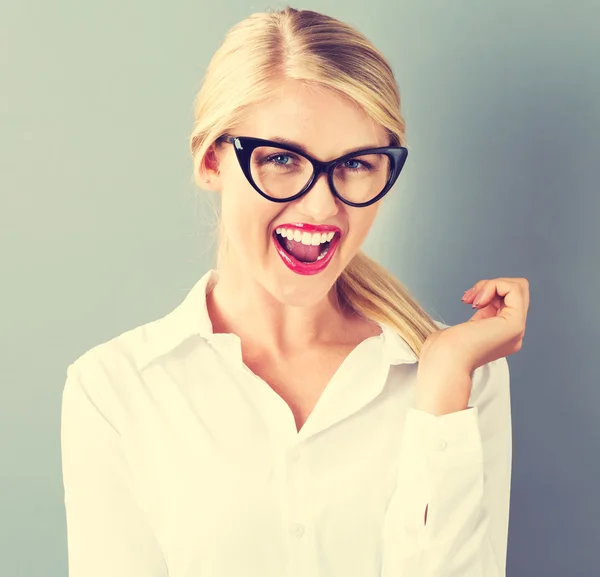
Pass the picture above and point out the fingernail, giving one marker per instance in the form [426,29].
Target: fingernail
[467,294]
[477,300]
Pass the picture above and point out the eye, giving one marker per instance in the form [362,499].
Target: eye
[355,165]
[283,159]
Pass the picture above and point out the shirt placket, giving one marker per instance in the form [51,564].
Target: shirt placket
[291,467]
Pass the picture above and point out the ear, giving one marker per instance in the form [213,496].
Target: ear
[209,169]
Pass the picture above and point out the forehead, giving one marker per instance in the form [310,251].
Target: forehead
[325,123]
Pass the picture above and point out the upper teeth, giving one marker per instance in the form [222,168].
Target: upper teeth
[305,237]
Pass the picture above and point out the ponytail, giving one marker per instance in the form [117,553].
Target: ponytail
[369,289]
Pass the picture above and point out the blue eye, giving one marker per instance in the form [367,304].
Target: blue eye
[279,159]
[355,165]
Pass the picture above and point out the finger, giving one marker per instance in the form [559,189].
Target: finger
[474,290]
[482,286]
[480,283]
[515,305]
[485,302]
[486,311]
[518,289]
[523,283]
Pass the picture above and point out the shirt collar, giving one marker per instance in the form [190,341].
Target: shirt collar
[190,318]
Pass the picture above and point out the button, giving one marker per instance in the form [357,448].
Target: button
[296,530]
[295,454]
[441,445]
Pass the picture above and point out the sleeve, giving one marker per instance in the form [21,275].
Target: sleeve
[458,467]
[107,533]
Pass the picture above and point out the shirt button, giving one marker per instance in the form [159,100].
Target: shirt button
[441,445]
[296,530]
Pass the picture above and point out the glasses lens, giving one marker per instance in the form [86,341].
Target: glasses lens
[362,178]
[279,173]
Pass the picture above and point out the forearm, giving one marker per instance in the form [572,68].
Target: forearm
[454,463]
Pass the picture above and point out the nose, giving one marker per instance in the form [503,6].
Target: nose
[319,202]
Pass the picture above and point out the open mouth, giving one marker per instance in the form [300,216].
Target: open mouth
[304,251]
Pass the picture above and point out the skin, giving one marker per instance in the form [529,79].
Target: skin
[257,296]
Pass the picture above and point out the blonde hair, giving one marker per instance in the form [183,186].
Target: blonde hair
[320,51]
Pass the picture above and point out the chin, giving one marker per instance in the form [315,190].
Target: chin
[301,291]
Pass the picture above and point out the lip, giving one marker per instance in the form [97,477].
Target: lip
[306,268]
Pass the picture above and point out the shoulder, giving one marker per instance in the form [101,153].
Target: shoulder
[120,351]
[107,374]
[111,374]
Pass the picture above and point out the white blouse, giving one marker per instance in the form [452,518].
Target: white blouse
[179,461]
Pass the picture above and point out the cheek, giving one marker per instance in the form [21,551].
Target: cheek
[246,216]
[237,202]
[360,221]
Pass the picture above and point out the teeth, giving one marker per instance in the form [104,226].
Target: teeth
[305,237]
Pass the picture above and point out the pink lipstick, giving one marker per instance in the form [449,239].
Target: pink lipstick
[298,266]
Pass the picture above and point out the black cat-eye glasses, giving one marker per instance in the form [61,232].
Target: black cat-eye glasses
[282,172]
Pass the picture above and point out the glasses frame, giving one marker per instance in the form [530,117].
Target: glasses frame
[244,147]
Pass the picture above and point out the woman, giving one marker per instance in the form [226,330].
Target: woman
[298,413]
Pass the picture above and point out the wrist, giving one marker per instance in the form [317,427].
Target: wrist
[443,393]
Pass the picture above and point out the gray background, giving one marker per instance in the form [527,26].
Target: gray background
[102,229]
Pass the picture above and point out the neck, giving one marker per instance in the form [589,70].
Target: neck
[238,304]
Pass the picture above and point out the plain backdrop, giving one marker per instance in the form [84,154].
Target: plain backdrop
[102,230]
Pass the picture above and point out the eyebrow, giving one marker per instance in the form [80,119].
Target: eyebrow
[302,148]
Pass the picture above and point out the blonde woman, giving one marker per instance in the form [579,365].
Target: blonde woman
[299,414]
